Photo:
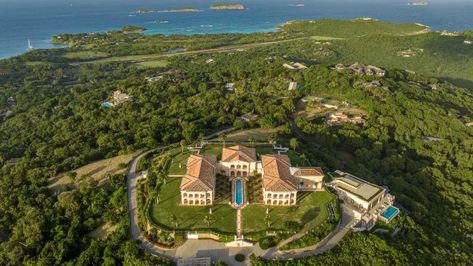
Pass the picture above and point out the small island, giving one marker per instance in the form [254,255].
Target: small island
[228,7]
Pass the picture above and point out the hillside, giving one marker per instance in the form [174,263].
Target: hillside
[57,124]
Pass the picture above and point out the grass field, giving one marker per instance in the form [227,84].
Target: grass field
[96,170]
[259,134]
[310,209]
[178,163]
[190,217]
[152,64]
[85,55]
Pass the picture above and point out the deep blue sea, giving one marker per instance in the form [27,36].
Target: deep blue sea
[39,20]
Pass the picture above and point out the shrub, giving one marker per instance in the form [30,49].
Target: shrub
[240,257]
[267,242]
[293,226]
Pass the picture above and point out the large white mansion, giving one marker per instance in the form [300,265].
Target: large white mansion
[280,181]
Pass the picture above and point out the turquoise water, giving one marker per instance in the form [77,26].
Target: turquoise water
[239,192]
[390,213]
[39,20]
[107,105]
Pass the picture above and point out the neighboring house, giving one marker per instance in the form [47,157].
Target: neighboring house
[279,185]
[198,184]
[230,86]
[120,97]
[11,101]
[249,117]
[369,70]
[238,161]
[154,79]
[365,201]
[309,178]
[293,86]
[340,118]
[294,66]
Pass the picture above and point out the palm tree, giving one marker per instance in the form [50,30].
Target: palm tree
[173,219]
[273,138]
[293,143]
[303,159]
[222,138]
[251,140]
[208,220]
[183,144]
[267,220]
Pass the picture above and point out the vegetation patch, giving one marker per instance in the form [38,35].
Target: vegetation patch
[240,257]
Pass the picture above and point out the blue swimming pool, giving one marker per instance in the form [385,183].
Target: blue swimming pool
[107,104]
[390,213]
[238,192]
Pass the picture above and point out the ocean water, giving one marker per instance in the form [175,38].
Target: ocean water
[39,20]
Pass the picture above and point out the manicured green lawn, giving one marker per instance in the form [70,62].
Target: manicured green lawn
[190,217]
[213,150]
[178,163]
[310,209]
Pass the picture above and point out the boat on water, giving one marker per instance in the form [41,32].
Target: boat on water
[418,3]
[30,46]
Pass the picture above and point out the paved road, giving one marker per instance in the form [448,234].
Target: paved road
[132,180]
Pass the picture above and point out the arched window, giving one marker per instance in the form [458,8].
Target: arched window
[232,173]
[245,167]
[245,173]
[238,173]
[238,166]
[232,166]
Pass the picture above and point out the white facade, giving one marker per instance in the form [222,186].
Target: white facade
[238,168]
[197,198]
[279,198]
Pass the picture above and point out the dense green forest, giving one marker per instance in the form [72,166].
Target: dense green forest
[56,124]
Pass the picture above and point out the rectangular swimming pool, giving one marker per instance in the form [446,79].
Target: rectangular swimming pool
[107,104]
[238,192]
[390,213]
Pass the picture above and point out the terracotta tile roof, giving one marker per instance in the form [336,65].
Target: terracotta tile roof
[277,175]
[200,175]
[238,153]
[309,171]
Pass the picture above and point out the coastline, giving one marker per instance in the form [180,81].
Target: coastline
[256,18]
